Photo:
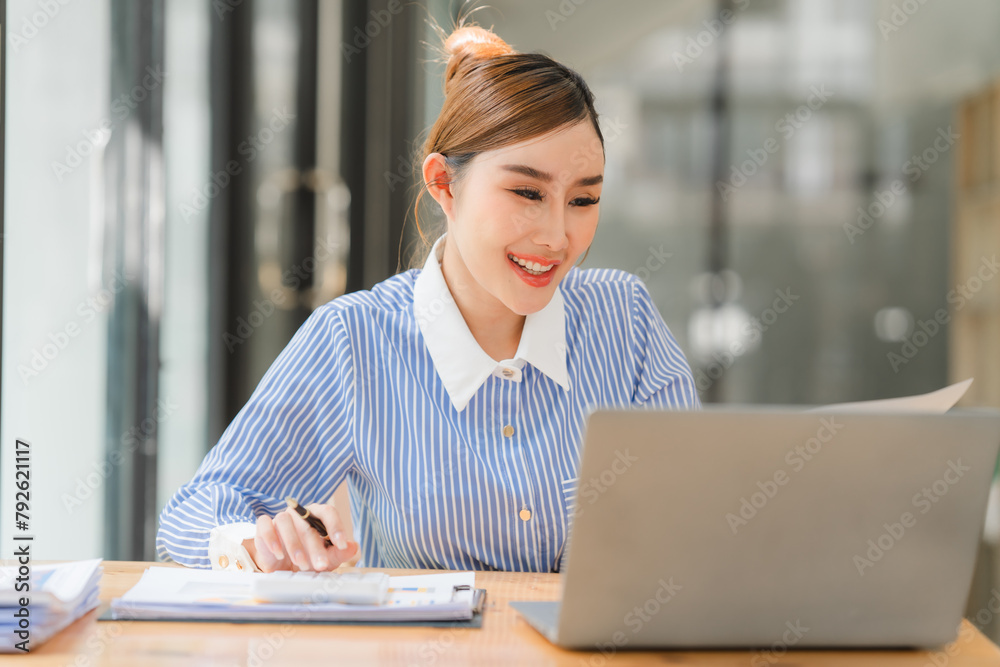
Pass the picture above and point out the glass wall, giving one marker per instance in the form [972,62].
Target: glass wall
[59,286]
[184,341]
[167,230]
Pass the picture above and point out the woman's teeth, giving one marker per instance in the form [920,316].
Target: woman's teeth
[534,268]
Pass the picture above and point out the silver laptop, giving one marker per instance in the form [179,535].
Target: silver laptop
[772,528]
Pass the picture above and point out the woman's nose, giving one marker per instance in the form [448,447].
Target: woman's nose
[551,230]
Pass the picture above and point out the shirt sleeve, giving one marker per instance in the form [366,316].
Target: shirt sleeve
[663,377]
[226,550]
[292,438]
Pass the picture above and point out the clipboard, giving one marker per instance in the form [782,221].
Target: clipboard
[444,599]
[476,622]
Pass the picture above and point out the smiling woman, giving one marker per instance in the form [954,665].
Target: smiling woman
[452,397]
[516,162]
[514,229]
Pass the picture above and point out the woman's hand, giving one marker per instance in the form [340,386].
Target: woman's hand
[288,542]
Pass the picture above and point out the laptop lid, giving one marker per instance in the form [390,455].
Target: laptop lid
[746,527]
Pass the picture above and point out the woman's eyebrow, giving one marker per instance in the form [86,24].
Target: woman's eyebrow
[546,177]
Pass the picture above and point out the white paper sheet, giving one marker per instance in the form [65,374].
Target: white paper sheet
[941,400]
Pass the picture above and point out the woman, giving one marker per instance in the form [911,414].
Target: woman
[452,398]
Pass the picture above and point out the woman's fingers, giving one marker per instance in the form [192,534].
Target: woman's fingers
[314,545]
[268,553]
[347,554]
[290,541]
[331,519]
[342,549]
[269,536]
[323,555]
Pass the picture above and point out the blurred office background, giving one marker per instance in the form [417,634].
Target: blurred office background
[805,186]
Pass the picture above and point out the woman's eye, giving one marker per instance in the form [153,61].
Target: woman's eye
[535,195]
[528,193]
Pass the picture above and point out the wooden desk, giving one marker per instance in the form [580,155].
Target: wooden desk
[505,639]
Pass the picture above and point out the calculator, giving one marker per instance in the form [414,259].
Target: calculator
[371,588]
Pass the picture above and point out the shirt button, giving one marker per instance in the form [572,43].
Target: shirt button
[223,562]
[508,431]
[239,565]
[525,514]
[508,373]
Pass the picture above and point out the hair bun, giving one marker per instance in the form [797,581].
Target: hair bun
[472,43]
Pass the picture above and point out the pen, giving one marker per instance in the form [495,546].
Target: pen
[310,519]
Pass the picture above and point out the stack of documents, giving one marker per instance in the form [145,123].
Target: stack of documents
[171,593]
[57,595]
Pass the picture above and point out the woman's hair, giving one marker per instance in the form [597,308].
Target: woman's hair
[495,97]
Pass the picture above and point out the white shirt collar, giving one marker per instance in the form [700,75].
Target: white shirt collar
[458,359]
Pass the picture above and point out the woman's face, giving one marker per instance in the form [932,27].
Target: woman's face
[522,215]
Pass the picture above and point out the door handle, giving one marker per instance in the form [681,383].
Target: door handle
[331,242]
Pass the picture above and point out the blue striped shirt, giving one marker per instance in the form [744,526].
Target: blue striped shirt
[454,460]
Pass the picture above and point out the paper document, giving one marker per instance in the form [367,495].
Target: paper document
[941,400]
[57,595]
[171,593]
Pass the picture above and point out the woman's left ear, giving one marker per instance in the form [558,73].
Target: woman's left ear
[438,182]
